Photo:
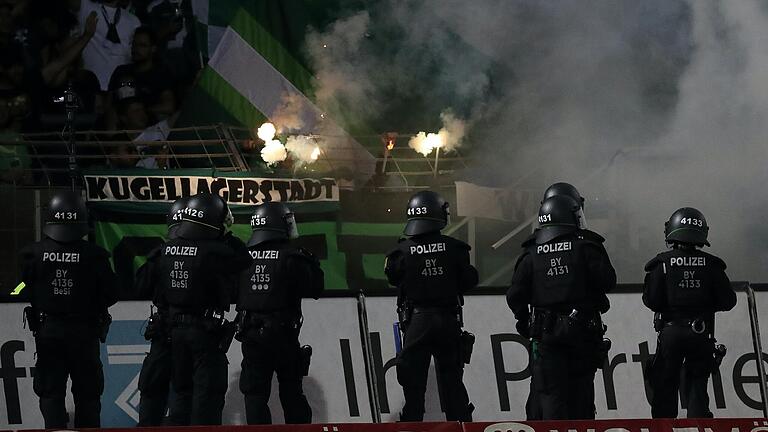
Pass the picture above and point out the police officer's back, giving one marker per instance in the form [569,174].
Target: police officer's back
[563,276]
[432,272]
[685,286]
[72,285]
[156,369]
[270,318]
[192,275]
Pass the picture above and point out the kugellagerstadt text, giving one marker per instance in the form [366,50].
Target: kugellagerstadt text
[235,190]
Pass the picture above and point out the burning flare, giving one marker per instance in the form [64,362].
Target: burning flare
[303,148]
[424,142]
[273,152]
[449,137]
[266,132]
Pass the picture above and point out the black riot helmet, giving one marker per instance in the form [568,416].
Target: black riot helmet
[67,217]
[427,212]
[271,221]
[687,226]
[568,190]
[558,215]
[173,218]
[204,217]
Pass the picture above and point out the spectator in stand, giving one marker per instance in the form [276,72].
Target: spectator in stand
[152,81]
[60,65]
[17,87]
[110,46]
[172,21]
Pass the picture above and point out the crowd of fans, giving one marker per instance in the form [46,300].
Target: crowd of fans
[129,61]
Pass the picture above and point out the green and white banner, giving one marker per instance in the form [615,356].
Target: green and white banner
[256,74]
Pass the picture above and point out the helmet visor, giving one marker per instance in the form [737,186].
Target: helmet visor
[293,229]
[582,218]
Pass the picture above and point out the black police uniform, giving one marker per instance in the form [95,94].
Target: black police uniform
[156,369]
[72,286]
[564,280]
[686,286]
[432,272]
[192,277]
[269,304]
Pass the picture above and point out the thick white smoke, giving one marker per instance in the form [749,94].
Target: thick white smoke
[645,106]
[288,115]
[447,139]
[303,148]
[273,151]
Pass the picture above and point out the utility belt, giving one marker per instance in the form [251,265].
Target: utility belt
[698,325]
[211,320]
[208,317]
[268,323]
[406,310]
[544,320]
[35,319]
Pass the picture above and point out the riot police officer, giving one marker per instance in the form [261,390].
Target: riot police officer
[270,318]
[685,286]
[155,377]
[72,285]
[533,405]
[192,276]
[431,272]
[559,288]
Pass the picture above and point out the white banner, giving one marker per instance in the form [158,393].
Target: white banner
[235,190]
[336,386]
[497,379]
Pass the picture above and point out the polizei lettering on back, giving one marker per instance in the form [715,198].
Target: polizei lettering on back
[63,257]
[554,247]
[181,250]
[688,261]
[427,248]
[265,254]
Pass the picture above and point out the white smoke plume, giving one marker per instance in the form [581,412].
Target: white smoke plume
[273,152]
[447,139]
[303,148]
[425,143]
[288,115]
[452,133]
[644,106]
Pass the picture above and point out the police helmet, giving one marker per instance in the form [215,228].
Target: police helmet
[271,221]
[204,217]
[569,190]
[566,189]
[427,212]
[173,218]
[558,215]
[67,218]
[688,226]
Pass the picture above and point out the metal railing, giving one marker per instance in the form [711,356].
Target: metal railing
[758,346]
[44,156]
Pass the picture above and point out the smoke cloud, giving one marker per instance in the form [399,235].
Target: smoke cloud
[644,106]
[303,148]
